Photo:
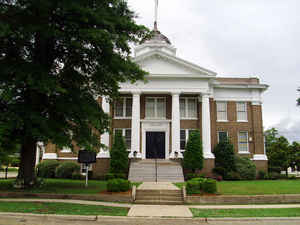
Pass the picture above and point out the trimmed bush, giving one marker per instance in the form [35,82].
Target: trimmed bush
[233,176]
[118,185]
[261,175]
[193,187]
[110,176]
[77,176]
[66,169]
[118,155]
[46,169]
[224,158]
[193,155]
[219,171]
[209,186]
[246,168]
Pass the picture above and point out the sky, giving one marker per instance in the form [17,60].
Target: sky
[239,38]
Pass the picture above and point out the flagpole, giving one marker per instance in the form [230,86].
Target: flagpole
[155,10]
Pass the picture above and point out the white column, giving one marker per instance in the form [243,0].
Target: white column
[206,131]
[104,152]
[175,152]
[135,126]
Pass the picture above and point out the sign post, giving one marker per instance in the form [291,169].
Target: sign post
[86,157]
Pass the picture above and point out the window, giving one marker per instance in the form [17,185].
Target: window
[222,136]
[84,168]
[126,133]
[241,108]
[188,108]
[221,111]
[123,107]
[243,142]
[184,135]
[155,108]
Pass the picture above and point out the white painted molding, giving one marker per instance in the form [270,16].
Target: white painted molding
[103,154]
[208,155]
[67,158]
[256,103]
[260,157]
[49,156]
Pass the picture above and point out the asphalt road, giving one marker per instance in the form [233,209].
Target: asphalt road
[49,220]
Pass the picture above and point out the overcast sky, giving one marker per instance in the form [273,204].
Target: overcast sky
[239,38]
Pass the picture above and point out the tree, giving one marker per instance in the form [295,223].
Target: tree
[224,158]
[193,155]
[118,155]
[55,58]
[295,155]
[298,100]
[270,137]
[279,154]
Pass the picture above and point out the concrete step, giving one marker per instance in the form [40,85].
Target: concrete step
[158,202]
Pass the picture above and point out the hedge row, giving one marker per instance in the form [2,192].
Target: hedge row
[201,185]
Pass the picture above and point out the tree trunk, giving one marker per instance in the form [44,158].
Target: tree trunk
[26,173]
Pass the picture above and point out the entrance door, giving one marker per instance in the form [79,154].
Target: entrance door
[155,145]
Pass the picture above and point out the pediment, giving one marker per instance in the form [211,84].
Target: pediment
[160,63]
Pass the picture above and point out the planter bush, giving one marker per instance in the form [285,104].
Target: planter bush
[118,185]
[110,176]
[46,169]
[209,186]
[261,175]
[193,187]
[246,168]
[233,176]
[77,176]
[66,169]
[118,155]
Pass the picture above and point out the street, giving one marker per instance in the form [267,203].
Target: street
[75,220]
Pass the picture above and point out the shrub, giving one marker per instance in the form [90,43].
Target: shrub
[273,176]
[66,169]
[46,169]
[232,175]
[77,176]
[224,157]
[190,176]
[118,185]
[110,176]
[261,175]
[193,187]
[15,162]
[118,155]
[219,171]
[210,186]
[193,155]
[246,168]
[292,177]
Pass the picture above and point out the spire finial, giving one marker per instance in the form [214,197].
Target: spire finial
[155,19]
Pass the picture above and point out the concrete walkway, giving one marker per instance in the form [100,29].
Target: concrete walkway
[159,211]
[157,186]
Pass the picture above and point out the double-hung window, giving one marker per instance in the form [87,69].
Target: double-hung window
[156,108]
[126,133]
[243,142]
[222,136]
[188,108]
[221,111]
[123,107]
[241,108]
[184,136]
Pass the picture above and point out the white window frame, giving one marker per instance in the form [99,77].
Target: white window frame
[226,107]
[123,134]
[237,112]
[124,109]
[243,152]
[186,136]
[186,99]
[155,108]
[222,132]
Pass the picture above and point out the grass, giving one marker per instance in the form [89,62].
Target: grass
[61,208]
[60,186]
[256,187]
[221,213]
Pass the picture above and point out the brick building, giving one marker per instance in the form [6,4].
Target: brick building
[156,117]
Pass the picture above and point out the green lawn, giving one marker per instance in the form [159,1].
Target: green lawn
[221,213]
[257,187]
[61,208]
[60,186]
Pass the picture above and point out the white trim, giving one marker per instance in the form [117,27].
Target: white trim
[158,126]
[67,158]
[243,152]
[260,157]
[49,156]
[222,121]
[66,150]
